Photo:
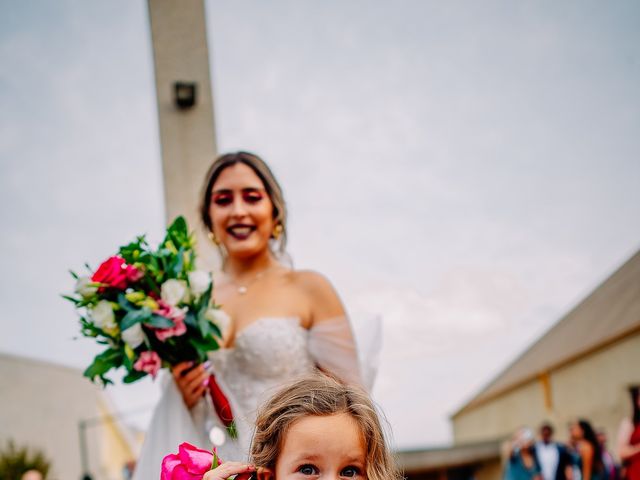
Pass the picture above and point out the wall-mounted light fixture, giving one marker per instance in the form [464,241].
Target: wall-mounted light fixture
[184,94]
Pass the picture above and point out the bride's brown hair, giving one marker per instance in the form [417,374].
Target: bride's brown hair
[271,186]
[320,395]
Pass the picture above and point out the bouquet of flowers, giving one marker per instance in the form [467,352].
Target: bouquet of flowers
[150,309]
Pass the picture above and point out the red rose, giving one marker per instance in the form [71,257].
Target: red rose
[112,272]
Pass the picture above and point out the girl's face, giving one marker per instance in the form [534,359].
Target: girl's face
[322,447]
[241,212]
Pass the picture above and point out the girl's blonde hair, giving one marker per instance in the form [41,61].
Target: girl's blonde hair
[320,395]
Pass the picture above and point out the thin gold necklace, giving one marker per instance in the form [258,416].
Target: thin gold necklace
[242,288]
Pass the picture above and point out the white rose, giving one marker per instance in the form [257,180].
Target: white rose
[102,315]
[133,336]
[84,287]
[219,318]
[199,282]
[174,291]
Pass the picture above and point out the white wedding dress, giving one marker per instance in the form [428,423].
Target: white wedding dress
[267,354]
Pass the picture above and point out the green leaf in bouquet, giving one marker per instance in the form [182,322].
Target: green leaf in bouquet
[207,328]
[87,302]
[158,321]
[190,319]
[129,357]
[138,315]
[133,376]
[178,229]
[88,329]
[74,274]
[102,363]
[204,344]
[215,330]
[149,280]
[170,246]
[125,304]
[178,236]
[202,304]
[75,301]
[132,251]
[176,265]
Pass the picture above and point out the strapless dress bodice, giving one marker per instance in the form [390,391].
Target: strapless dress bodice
[267,354]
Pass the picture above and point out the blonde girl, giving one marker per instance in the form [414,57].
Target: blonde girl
[317,428]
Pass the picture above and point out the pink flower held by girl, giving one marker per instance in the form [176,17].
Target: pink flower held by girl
[190,463]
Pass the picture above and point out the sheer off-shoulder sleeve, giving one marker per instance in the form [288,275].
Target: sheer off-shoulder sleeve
[333,348]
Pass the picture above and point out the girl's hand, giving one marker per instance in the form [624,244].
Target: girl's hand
[227,469]
[191,381]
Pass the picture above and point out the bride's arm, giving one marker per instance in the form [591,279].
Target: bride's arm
[331,341]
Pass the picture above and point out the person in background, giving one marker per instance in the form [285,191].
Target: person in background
[589,453]
[610,467]
[556,463]
[522,463]
[629,438]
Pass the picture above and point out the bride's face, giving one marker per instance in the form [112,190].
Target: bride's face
[241,212]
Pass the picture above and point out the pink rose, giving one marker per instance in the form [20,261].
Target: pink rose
[112,272]
[174,314]
[149,362]
[190,463]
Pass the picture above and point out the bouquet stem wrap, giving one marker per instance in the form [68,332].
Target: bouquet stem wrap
[222,406]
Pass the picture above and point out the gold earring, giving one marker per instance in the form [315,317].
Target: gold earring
[213,238]
[277,231]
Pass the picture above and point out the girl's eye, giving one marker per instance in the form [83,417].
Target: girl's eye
[350,472]
[308,470]
[222,199]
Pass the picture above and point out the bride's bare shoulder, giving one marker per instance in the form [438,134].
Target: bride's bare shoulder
[325,302]
[311,280]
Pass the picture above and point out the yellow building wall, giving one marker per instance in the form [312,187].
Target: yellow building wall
[593,387]
[42,407]
[500,417]
[115,451]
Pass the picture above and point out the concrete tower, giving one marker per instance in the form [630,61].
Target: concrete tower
[185,108]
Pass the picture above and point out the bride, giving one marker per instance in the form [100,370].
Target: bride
[283,323]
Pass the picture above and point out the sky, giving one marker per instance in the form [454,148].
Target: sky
[467,171]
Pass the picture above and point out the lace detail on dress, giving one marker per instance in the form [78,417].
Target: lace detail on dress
[267,354]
